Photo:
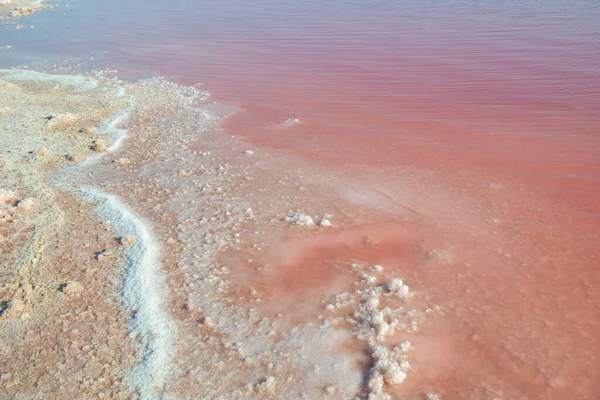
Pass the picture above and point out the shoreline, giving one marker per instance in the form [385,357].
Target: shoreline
[119,170]
[256,258]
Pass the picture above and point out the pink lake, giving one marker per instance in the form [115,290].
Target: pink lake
[489,112]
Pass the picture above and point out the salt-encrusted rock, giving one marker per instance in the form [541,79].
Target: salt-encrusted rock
[99,146]
[397,287]
[60,120]
[76,157]
[325,222]
[376,268]
[87,130]
[15,309]
[207,321]
[7,196]
[267,385]
[127,240]
[73,288]
[299,219]
[26,205]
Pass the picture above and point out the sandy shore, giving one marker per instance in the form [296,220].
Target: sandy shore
[62,332]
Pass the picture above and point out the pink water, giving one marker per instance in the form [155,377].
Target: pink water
[488,111]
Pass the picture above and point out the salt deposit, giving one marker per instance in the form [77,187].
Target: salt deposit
[144,292]
[76,81]
[73,288]
[300,219]
[26,205]
[325,223]
[112,126]
[7,196]
[374,318]
[76,157]
[99,146]
[127,240]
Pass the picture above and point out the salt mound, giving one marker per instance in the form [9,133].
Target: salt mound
[76,157]
[325,223]
[299,219]
[26,205]
[99,146]
[15,309]
[60,121]
[7,196]
[73,288]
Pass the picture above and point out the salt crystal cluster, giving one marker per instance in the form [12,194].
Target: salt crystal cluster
[325,223]
[374,321]
[299,219]
[7,196]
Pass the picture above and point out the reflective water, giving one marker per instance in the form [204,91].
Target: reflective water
[483,116]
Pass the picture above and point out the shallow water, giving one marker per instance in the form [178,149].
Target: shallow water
[479,118]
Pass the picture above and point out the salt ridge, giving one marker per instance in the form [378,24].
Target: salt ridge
[143,291]
[143,288]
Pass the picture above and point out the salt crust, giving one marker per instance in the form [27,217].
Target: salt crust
[77,82]
[300,219]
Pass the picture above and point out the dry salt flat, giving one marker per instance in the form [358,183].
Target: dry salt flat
[147,255]
[63,332]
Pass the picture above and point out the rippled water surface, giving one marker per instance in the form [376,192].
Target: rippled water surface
[489,111]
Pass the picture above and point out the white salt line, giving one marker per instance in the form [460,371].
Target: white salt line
[143,291]
[110,126]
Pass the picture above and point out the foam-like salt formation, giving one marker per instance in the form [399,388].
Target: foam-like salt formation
[77,82]
[110,126]
[143,291]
